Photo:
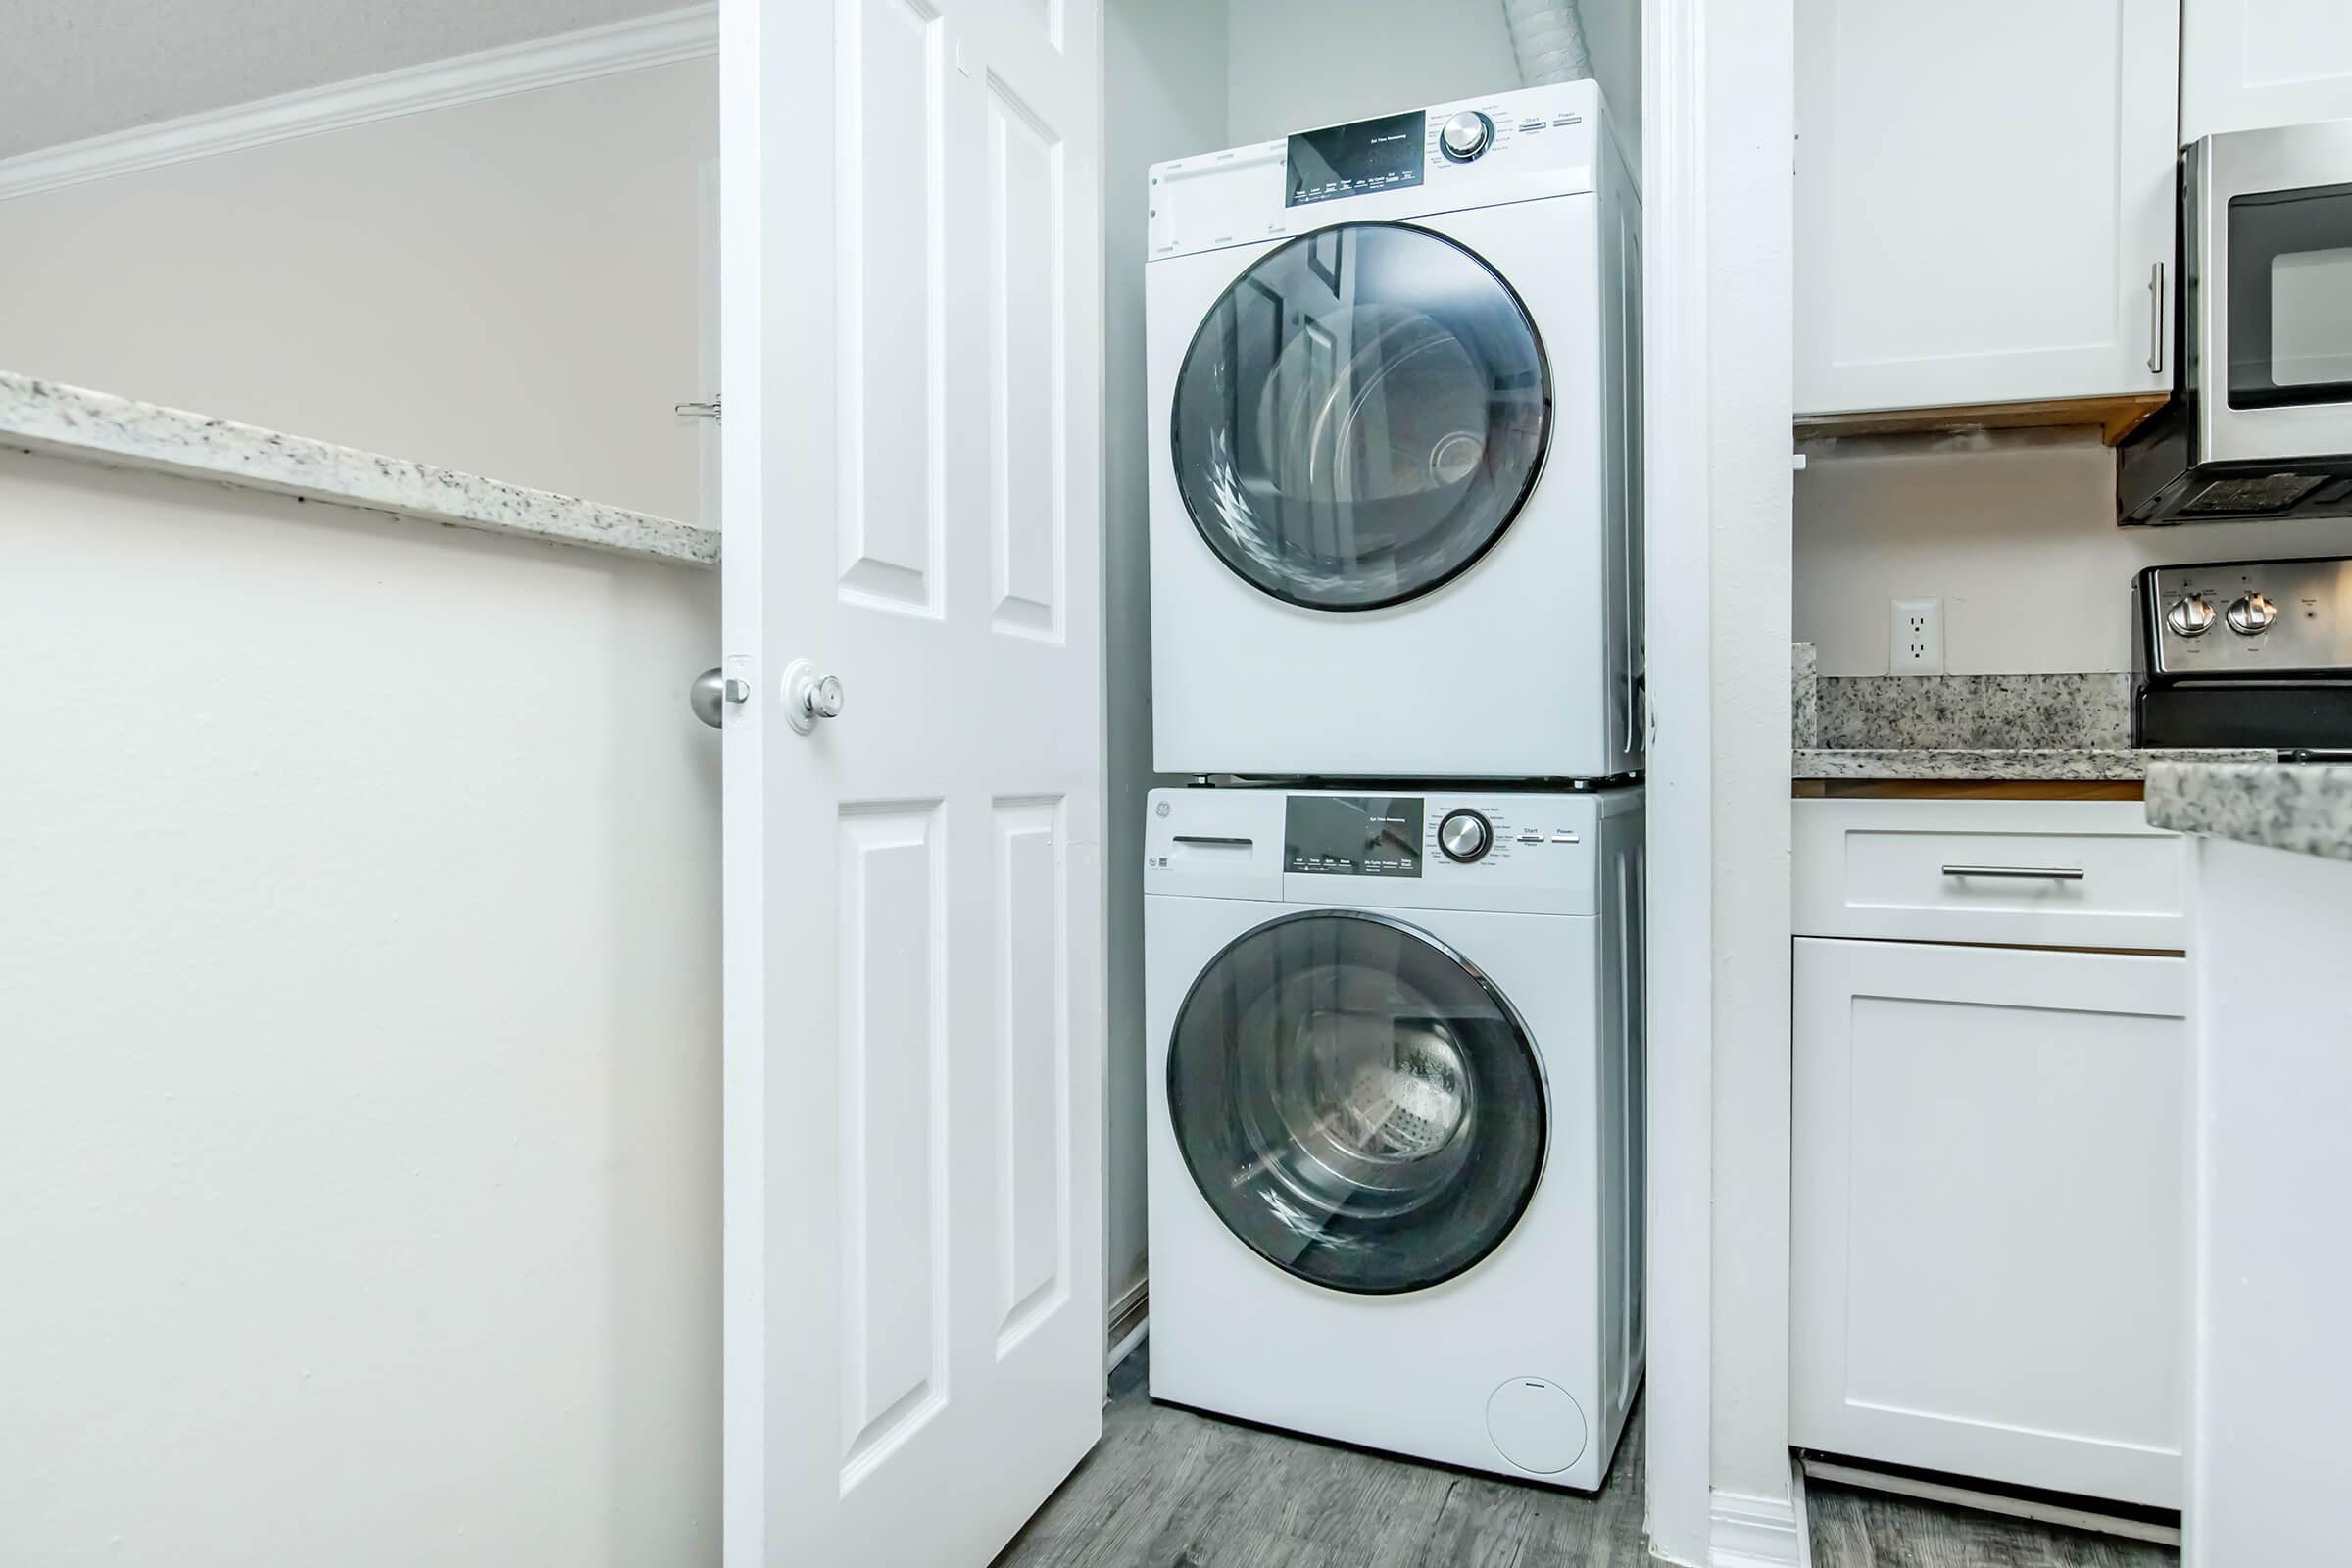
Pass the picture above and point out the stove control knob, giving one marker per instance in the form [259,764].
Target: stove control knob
[2191,617]
[1465,836]
[2252,615]
[1466,136]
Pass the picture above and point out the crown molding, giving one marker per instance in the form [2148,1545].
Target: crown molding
[662,39]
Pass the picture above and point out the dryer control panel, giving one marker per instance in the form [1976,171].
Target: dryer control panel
[1478,151]
[1496,850]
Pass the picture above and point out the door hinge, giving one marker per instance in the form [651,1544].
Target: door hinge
[697,410]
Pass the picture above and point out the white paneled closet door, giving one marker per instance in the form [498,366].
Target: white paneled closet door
[913,881]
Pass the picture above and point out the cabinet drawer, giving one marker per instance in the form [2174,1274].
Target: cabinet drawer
[2026,873]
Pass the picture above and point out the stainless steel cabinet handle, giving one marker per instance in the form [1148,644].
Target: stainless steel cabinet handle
[2156,320]
[2050,873]
[711,691]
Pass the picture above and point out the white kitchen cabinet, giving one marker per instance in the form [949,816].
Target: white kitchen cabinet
[1987,1204]
[2249,64]
[1983,194]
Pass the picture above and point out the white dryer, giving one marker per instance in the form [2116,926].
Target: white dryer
[1395,444]
[1395,1080]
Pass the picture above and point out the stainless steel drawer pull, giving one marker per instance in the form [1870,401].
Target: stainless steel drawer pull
[2033,873]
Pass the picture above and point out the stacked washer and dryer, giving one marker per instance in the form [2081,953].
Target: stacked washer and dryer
[1393,936]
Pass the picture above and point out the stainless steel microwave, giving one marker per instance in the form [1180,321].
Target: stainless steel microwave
[2260,421]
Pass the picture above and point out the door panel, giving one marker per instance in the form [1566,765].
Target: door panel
[894,1259]
[1033,1068]
[891,363]
[2246,64]
[913,887]
[1986,1219]
[1979,208]
[1029,413]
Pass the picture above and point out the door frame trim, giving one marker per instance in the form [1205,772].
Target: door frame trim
[1680,761]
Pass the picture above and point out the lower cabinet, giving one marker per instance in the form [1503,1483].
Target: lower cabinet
[1987,1213]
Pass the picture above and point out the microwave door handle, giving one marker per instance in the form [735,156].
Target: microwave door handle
[2156,320]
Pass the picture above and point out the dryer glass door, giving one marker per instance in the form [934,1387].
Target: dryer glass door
[1360,416]
[1356,1101]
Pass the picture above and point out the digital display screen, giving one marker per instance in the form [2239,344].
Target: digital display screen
[1384,154]
[1352,835]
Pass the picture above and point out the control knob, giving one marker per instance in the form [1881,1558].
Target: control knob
[2252,615]
[2191,617]
[1466,136]
[1465,836]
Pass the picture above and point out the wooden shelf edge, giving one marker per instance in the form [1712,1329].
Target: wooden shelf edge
[1962,789]
[2115,418]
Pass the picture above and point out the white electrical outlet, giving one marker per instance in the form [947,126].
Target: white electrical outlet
[1915,638]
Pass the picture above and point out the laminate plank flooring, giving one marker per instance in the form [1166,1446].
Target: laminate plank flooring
[1858,1528]
[1168,1488]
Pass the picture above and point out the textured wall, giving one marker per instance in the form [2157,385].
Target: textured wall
[508,287]
[358,1038]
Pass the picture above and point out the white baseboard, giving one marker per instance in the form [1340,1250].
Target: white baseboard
[1128,1345]
[1744,1532]
[1803,1509]
[662,40]
[1130,1316]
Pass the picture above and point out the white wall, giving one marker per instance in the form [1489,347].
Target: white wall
[506,287]
[1165,68]
[1297,63]
[2015,531]
[359,1104]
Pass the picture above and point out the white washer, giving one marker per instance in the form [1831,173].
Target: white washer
[1395,448]
[1396,1117]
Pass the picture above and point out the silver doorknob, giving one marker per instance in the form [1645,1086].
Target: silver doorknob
[810,697]
[711,691]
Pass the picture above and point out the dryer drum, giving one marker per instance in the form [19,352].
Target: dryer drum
[1360,416]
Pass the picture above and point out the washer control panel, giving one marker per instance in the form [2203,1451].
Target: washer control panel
[1503,850]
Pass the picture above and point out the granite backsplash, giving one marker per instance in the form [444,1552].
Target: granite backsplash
[1970,713]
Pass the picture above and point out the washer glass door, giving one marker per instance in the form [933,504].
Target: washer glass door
[1360,416]
[1356,1101]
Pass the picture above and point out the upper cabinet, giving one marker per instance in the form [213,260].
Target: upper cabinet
[1985,204]
[2248,63]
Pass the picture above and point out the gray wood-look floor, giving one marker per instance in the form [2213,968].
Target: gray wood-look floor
[1170,1489]
[1856,1529]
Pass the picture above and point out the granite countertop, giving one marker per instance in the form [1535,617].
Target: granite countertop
[2033,763]
[2283,805]
[1973,727]
[54,419]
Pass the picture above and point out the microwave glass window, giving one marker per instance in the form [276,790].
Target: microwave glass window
[2311,317]
[2289,297]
